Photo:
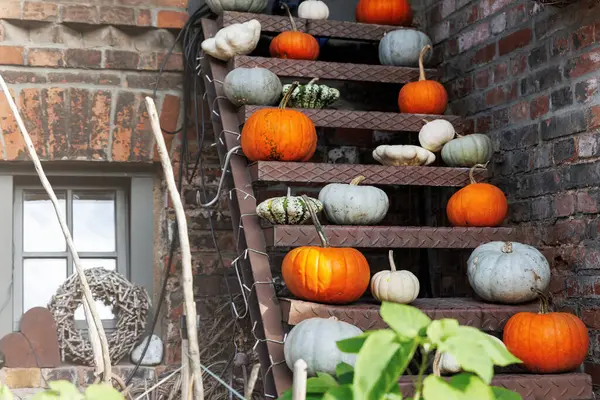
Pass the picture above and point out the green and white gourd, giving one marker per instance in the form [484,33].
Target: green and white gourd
[314,341]
[287,210]
[312,95]
[251,6]
[506,272]
[467,151]
[252,86]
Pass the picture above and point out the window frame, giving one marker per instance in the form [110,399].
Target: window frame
[119,186]
[141,219]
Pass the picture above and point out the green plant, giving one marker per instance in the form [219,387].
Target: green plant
[64,390]
[383,356]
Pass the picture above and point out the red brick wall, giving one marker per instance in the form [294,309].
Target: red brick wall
[530,78]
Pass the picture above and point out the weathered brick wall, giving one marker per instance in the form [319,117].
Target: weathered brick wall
[529,78]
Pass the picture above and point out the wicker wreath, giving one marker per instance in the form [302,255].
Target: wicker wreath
[130,304]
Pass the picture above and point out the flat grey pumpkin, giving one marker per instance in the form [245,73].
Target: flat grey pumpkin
[401,48]
[253,6]
[467,151]
[312,95]
[287,210]
[252,86]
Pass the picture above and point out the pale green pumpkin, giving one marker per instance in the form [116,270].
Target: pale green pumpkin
[287,210]
[467,151]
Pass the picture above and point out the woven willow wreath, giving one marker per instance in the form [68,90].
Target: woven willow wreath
[130,304]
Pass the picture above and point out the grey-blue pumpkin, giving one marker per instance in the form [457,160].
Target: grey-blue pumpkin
[252,86]
[401,48]
[252,6]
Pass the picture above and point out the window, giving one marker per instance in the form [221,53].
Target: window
[99,215]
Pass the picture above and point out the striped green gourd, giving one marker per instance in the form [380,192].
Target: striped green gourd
[287,210]
[312,95]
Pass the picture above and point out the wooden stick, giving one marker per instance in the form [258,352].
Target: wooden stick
[186,255]
[299,384]
[100,347]
[252,381]
[185,372]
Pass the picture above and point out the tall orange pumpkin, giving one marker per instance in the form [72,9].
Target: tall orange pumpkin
[384,12]
[278,134]
[333,275]
[477,204]
[424,96]
[547,342]
[293,44]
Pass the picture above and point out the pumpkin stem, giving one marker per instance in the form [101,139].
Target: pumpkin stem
[289,13]
[288,95]
[473,168]
[357,181]
[424,51]
[437,371]
[425,121]
[289,192]
[312,81]
[392,263]
[544,307]
[316,222]
[507,248]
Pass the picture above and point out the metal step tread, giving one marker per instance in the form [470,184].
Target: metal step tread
[377,120]
[296,172]
[331,70]
[395,236]
[324,28]
[365,314]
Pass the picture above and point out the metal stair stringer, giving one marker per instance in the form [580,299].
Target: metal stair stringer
[264,308]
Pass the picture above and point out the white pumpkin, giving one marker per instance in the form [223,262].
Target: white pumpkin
[353,204]
[252,86]
[287,210]
[396,286]
[402,155]
[233,40]
[435,134]
[506,272]
[314,341]
[313,9]
[445,363]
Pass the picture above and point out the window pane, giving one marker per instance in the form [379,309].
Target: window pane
[94,220]
[104,311]
[41,279]
[41,230]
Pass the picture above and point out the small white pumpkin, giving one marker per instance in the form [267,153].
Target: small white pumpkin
[506,272]
[403,155]
[445,363]
[353,204]
[314,341]
[252,86]
[435,134]
[287,210]
[467,151]
[396,286]
[233,40]
[313,9]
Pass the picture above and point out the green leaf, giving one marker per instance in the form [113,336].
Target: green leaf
[460,387]
[497,352]
[344,373]
[505,394]
[469,356]
[380,363]
[62,390]
[287,395]
[406,321]
[354,344]
[442,329]
[5,393]
[102,391]
[343,392]
[321,383]
[393,396]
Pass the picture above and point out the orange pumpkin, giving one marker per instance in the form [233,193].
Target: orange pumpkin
[293,44]
[333,275]
[278,134]
[384,12]
[423,96]
[547,342]
[477,204]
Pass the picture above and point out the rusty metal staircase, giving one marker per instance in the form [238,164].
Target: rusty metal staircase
[273,316]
